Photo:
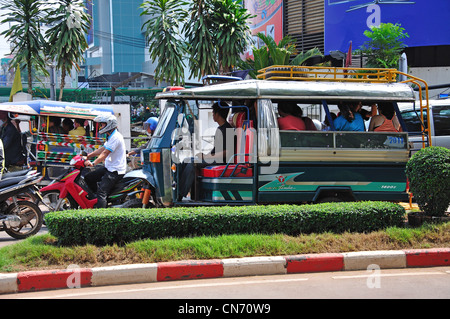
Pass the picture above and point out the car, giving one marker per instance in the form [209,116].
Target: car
[439,122]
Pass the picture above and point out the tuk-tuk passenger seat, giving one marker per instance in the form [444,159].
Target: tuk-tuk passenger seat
[241,158]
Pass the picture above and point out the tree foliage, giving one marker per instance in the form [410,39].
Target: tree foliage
[385,45]
[162,34]
[200,39]
[24,34]
[233,34]
[213,35]
[283,53]
[67,36]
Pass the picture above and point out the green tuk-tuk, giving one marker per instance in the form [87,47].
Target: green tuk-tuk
[282,166]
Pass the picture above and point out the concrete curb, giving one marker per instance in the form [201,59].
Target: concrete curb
[75,277]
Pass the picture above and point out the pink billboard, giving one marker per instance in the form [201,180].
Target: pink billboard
[268,20]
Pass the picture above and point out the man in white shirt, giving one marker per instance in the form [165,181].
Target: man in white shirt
[103,179]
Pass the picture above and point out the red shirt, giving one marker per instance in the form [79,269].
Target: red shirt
[291,122]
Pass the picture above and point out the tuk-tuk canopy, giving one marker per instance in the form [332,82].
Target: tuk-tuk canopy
[310,91]
[56,108]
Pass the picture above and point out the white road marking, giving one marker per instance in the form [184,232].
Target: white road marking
[390,275]
[200,285]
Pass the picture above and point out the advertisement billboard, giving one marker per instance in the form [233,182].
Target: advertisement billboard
[424,20]
[268,20]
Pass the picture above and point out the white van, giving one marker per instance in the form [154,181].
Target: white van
[439,122]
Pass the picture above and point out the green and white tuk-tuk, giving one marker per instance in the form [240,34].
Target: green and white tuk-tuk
[276,166]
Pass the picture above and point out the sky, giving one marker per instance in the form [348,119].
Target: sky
[4,46]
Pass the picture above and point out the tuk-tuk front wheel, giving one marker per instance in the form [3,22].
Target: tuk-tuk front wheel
[136,203]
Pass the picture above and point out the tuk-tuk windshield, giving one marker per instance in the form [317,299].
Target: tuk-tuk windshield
[164,120]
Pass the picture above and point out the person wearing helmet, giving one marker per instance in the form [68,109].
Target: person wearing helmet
[150,125]
[113,153]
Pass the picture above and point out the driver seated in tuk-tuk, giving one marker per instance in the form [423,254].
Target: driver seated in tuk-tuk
[220,153]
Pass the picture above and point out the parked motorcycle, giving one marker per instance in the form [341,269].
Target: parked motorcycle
[32,193]
[70,190]
[20,216]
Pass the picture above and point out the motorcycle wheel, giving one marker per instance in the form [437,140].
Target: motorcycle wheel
[51,199]
[31,219]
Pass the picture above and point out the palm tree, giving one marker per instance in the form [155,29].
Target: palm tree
[67,36]
[214,33]
[233,33]
[165,45]
[217,35]
[200,38]
[25,36]
[276,54]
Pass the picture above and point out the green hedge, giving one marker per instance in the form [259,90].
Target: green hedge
[107,226]
[428,172]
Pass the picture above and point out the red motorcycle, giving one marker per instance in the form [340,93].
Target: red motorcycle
[70,190]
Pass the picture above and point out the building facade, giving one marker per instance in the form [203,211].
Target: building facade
[116,43]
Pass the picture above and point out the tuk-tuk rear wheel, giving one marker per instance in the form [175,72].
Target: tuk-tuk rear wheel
[329,199]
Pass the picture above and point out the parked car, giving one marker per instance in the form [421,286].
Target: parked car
[439,122]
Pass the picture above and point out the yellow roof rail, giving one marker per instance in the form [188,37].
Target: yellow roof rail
[315,73]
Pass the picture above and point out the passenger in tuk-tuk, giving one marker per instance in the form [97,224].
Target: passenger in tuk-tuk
[220,153]
[297,111]
[287,120]
[349,119]
[67,125]
[78,129]
[386,121]
[54,125]
[12,143]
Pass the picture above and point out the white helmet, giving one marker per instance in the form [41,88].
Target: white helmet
[109,119]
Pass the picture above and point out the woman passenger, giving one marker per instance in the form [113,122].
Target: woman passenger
[386,121]
[287,120]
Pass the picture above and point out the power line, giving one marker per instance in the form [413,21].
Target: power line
[121,39]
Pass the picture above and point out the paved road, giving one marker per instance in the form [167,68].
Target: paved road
[420,283]
[5,239]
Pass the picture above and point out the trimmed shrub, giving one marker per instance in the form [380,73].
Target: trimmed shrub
[107,226]
[428,172]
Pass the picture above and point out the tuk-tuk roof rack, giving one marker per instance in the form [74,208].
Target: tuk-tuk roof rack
[315,73]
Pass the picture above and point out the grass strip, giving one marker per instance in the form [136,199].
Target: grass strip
[43,252]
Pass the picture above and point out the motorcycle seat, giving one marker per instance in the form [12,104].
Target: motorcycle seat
[10,181]
[15,174]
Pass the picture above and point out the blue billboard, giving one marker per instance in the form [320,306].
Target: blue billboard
[426,21]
